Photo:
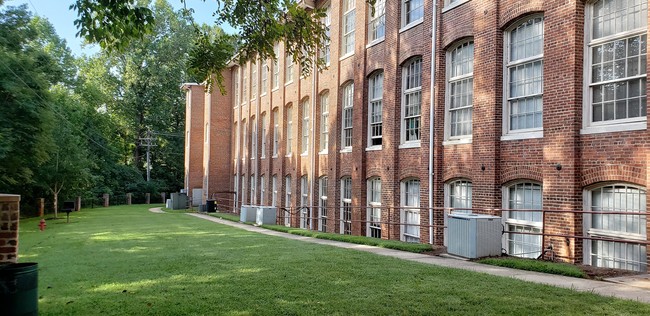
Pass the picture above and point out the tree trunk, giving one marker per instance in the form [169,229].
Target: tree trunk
[56,204]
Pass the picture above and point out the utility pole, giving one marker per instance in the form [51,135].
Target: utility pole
[148,142]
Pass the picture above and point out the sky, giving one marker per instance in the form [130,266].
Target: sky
[62,18]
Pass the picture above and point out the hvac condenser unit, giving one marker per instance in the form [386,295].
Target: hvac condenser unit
[248,214]
[474,235]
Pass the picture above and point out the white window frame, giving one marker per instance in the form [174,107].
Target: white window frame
[275,80]
[244,93]
[346,206]
[276,133]
[287,201]
[347,30]
[407,189]
[237,86]
[253,138]
[450,203]
[289,130]
[373,208]
[265,77]
[464,138]
[325,51]
[347,118]
[288,69]
[407,74]
[589,231]
[616,125]
[407,20]
[263,190]
[375,100]
[324,123]
[509,64]
[450,4]
[253,184]
[254,79]
[305,127]
[264,135]
[304,203]
[322,204]
[523,221]
[243,190]
[377,24]
[244,140]
[274,190]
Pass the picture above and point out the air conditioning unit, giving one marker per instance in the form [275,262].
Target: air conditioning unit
[248,213]
[266,215]
[474,235]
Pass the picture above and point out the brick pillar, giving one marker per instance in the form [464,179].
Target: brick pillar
[41,207]
[106,200]
[9,215]
[147,197]
[128,198]
[77,204]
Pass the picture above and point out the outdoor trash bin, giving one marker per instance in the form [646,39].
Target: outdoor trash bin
[19,289]
[211,206]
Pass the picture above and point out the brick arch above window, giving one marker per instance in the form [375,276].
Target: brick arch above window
[613,173]
[374,72]
[515,173]
[460,33]
[513,14]
[324,92]
[404,61]
[453,173]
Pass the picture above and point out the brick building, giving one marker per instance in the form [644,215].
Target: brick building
[477,105]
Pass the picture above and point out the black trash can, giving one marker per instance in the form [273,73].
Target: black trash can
[19,288]
[211,206]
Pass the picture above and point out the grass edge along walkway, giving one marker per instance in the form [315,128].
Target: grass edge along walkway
[582,285]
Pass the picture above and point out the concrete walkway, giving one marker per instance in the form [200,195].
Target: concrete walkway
[618,290]
[156,210]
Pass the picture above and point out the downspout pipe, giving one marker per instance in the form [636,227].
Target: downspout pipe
[312,143]
[237,143]
[431,116]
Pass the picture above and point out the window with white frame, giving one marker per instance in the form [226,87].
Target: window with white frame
[460,91]
[627,199]
[253,138]
[523,196]
[243,190]
[254,81]
[206,133]
[244,140]
[322,204]
[245,85]
[459,194]
[288,69]
[276,133]
[346,206]
[524,76]
[616,37]
[236,87]
[289,130]
[274,190]
[264,136]
[287,201]
[265,77]
[375,103]
[410,214]
[236,186]
[305,127]
[412,11]
[253,195]
[411,100]
[373,216]
[325,46]
[324,122]
[346,123]
[304,203]
[348,27]
[263,190]
[275,81]
[377,24]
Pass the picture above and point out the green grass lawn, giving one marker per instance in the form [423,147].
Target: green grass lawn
[127,260]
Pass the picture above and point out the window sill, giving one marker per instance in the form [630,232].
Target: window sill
[524,135]
[263,157]
[374,148]
[275,89]
[346,56]
[451,6]
[288,156]
[274,156]
[263,94]
[458,141]
[323,152]
[614,128]
[346,150]
[288,83]
[305,154]
[375,42]
[416,144]
[613,234]
[411,25]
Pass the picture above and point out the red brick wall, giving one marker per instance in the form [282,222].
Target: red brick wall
[194,127]
[9,218]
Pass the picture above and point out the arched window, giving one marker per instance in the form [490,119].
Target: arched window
[322,204]
[346,117]
[346,205]
[460,92]
[523,196]
[373,213]
[412,101]
[304,203]
[410,213]
[375,105]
